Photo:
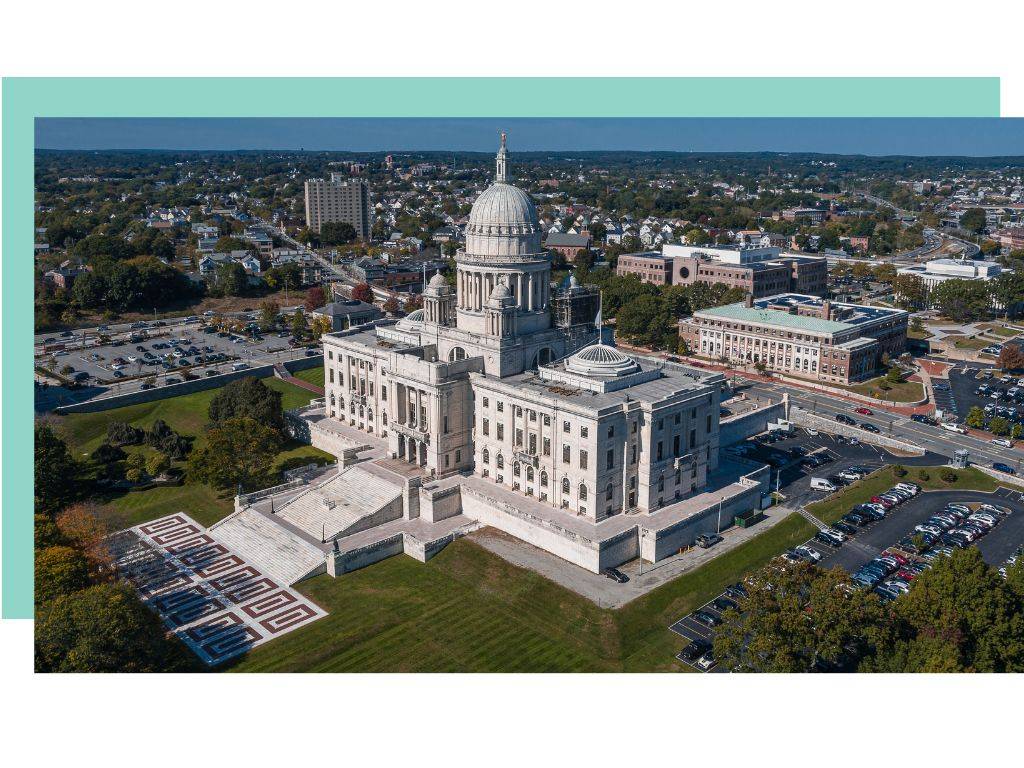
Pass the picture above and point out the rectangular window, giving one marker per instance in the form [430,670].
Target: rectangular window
[485,402]
[583,459]
[486,428]
[632,457]
[330,375]
[611,430]
[446,423]
[547,420]
[693,437]
[501,406]
[519,437]
[533,444]
[501,431]
[584,432]
[565,454]
[659,451]
[611,458]
[709,423]
[566,427]
[675,445]
[547,446]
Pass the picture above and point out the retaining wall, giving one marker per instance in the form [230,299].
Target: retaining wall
[737,428]
[162,393]
[804,418]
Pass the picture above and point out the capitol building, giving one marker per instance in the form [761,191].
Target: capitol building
[499,403]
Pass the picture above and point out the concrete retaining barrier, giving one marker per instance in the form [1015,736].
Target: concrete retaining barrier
[803,418]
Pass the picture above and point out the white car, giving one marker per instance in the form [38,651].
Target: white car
[1003,442]
[913,490]
[706,662]
[954,428]
[813,554]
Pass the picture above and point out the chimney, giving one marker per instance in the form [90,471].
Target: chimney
[749,301]
[826,310]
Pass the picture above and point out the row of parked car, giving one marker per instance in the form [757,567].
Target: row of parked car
[863,514]
[890,574]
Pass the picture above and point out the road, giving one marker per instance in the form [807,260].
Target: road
[929,438]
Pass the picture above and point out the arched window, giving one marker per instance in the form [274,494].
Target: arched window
[487,456]
[515,468]
[565,485]
[332,399]
[457,353]
[383,417]
[501,461]
[529,474]
[583,492]
[543,479]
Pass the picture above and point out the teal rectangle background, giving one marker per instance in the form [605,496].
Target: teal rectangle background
[25,99]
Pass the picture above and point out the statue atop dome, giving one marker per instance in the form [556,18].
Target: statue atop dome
[501,170]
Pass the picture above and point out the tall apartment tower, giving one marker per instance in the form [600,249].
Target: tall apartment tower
[338,200]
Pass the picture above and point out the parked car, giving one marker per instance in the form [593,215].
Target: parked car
[695,650]
[707,661]
[615,575]
[868,427]
[812,555]
[998,466]
[864,411]
[706,540]
[706,618]
[842,418]
[723,604]
[737,590]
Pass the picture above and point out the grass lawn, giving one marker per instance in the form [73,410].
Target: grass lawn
[831,509]
[971,344]
[312,375]
[1000,330]
[468,610]
[185,414]
[904,392]
[922,334]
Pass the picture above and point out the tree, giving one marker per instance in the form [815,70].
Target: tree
[894,375]
[239,451]
[337,233]
[55,471]
[1011,357]
[999,426]
[59,570]
[135,467]
[232,279]
[107,454]
[962,300]
[1007,291]
[268,315]
[298,323]
[910,292]
[645,321]
[121,433]
[973,220]
[104,628]
[362,292]
[46,533]
[157,464]
[391,306]
[320,326]
[248,398]
[227,244]
[315,298]
[975,418]
[959,616]
[84,527]
[795,618]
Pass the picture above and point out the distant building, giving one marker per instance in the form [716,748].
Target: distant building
[815,215]
[64,276]
[568,245]
[800,335]
[758,271]
[938,271]
[345,314]
[338,201]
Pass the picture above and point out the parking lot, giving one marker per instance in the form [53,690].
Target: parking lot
[161,352]
[867,542]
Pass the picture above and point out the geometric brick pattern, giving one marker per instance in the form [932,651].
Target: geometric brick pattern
[216,602]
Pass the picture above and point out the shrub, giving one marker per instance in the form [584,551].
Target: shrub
[59,571]
[898,470]
[108,454]
[947,475]
[122,433]
[158,464]
[922,474]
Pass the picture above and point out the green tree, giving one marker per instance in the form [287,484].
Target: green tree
[962,300]
[910,292]
[157,464]
[232,279]
[795,617]
[59,570]
[56,471]
[975,418]
[104,628]
[999,426]
[1007,291]
[239,452]
[645,321]
[973,220]
[268,315]
[298,324]
[248,398]
[959,616]
[227,244]
[337,233]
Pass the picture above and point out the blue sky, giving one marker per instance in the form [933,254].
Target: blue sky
[881,136]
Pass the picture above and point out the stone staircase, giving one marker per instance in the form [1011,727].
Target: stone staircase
[276,551]
[349,502]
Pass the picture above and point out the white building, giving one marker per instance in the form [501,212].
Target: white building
[938,271]
[496,404]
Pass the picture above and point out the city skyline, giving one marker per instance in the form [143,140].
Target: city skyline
[878,137]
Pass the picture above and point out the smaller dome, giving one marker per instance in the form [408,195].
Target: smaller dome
[500,295]
[411,322]
[601,360]
[438,281]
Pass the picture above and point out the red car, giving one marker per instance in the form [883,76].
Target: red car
[897,557]
[905,575]
[884,502]
[864,411]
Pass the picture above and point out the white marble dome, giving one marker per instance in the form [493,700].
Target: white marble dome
[411,322]
[601,360]
[503,221]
